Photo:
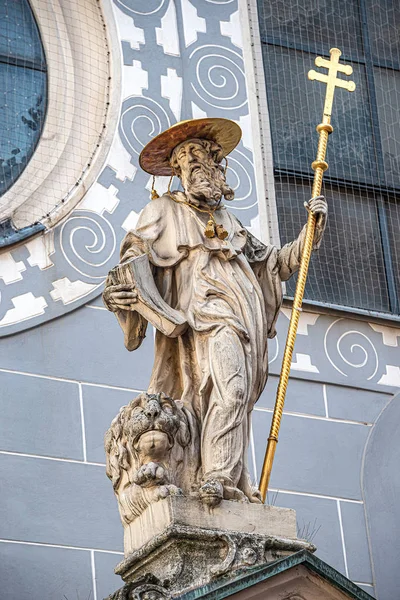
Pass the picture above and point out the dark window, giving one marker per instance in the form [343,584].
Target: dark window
[359,262]
[23,84]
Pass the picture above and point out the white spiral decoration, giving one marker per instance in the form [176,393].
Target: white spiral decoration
[141,8]
[217,77]
[240,177]
[348,350]
[88,243]
[141,120]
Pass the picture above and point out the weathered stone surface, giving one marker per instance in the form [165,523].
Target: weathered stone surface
[179,543]
[211,276]
[228,516]
[177,455]
[152,452]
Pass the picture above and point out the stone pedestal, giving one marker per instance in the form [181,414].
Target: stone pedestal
[179,544]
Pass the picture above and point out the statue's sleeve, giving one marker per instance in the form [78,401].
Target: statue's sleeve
[264,263]
[272,265]
[290,254]
[136,243]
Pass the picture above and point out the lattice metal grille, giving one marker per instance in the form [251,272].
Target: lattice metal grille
[54,102]
[359,262]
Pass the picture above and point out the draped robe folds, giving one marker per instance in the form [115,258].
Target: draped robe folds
[230,293]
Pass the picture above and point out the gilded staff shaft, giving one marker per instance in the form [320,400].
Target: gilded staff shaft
[319,166]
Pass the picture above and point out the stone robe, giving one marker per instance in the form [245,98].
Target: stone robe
[230,293]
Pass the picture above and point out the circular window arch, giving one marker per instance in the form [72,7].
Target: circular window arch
[78,125]
[23,89]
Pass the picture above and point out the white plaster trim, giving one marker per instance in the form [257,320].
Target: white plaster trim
[311,495]
[26,306]
[83,428]
[66,380]
[93,569]
[305,319]
[253,452]
[62,546]
[54,458]
[40,250]
[389,334]
[303,363]
[316,417]
[325,395]
[260,123]
[342,538]
[391,377]
[10,269]
[52,173]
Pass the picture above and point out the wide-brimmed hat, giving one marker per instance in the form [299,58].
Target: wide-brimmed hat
[154,158]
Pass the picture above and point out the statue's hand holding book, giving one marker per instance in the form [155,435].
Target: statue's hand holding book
[121,296]
[131,287]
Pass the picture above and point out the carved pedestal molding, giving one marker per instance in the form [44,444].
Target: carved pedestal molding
[178,544]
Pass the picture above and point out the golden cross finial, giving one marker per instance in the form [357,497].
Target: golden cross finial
[331,79]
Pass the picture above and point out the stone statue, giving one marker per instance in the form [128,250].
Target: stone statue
[147,452]
[226,288]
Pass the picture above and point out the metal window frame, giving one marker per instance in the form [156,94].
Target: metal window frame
[381,190]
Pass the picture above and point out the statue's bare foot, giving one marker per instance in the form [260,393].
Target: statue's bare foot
[211,492]
[256,496]
[149,475]
[233,493]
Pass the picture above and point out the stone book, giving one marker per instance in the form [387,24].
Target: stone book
[149,303]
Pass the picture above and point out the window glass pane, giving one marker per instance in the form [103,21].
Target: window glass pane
[393,220]
[348,269]
[22,107]
[314,23]
[19,36]
[295,106]
[384,28]
[387,85]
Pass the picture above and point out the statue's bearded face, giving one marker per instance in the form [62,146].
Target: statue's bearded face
[197,164]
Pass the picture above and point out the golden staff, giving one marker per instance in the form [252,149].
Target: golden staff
[319,166]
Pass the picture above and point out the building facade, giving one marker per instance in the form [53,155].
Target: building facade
[86,85]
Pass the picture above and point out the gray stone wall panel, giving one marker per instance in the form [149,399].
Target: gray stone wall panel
[381,489]
[313,455]
[100,406]
[318,521]
[57,502]
[302,396]
[86,345]
[40,573]
[40,416]
[356,542]
[355,405]
[106,581]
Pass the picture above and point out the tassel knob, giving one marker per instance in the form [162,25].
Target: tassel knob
[221,232]
[210,229]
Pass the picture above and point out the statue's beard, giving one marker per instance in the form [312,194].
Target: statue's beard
[206,183]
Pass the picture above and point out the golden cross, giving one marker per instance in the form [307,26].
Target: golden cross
[331,79]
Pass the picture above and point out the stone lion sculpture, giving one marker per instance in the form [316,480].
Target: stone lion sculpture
[150,453]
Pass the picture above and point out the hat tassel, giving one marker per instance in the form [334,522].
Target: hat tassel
[154,194]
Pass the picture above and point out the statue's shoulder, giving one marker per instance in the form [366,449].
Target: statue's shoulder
[238,226]
[158,207]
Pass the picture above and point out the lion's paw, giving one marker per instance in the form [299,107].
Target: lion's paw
[149,475]
[163,491]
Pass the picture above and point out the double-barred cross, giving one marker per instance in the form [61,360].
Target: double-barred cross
[331,79]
